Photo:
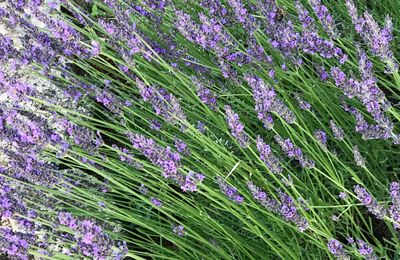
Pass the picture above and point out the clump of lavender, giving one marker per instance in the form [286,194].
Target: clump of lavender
[378,39]
[242,14]
[281,32]
[229,191]
[91,240]
[108,99]
[394,210]
[294,152]
[267,156]
[321,138]
[336,248]
[365,90]
[267,102]
[236,127]
[337,131]
[285,207]
[358,158]
[163,103]
[372,205]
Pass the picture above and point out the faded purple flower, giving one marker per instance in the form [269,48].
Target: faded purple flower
[358,158]
[338,132]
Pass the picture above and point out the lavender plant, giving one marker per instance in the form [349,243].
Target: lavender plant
[201,129]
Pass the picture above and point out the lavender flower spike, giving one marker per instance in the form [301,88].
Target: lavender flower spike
[321,137]
[338,132]
[163,103]
[268,157]
[229,191]
[324,17]
[365,250]
[394,210]
[285,207]
[358,158]
[294,152]
[237,128]
[377,38]
[372,205]
[267,102]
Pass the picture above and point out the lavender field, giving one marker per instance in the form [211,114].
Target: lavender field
[199,129]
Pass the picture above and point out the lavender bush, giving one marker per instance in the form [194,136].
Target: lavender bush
[204,129]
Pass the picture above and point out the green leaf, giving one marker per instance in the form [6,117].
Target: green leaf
[95,11]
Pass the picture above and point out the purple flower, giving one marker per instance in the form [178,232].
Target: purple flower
[336,248]
[181,147]
[206,95]
[372,205]
[267,102]
[378,39]
[201,127]
[156,202]
[155,124]
[242,14]
[394,210]
[163,103]
[285,207]
[229,191]
[304,105]
[191,181]
[342,195]
[365,250]
[321,138]
[236,127]
[338,132]
[324,17]
[268,157]
[294,152]
[179,230]
[165,158]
